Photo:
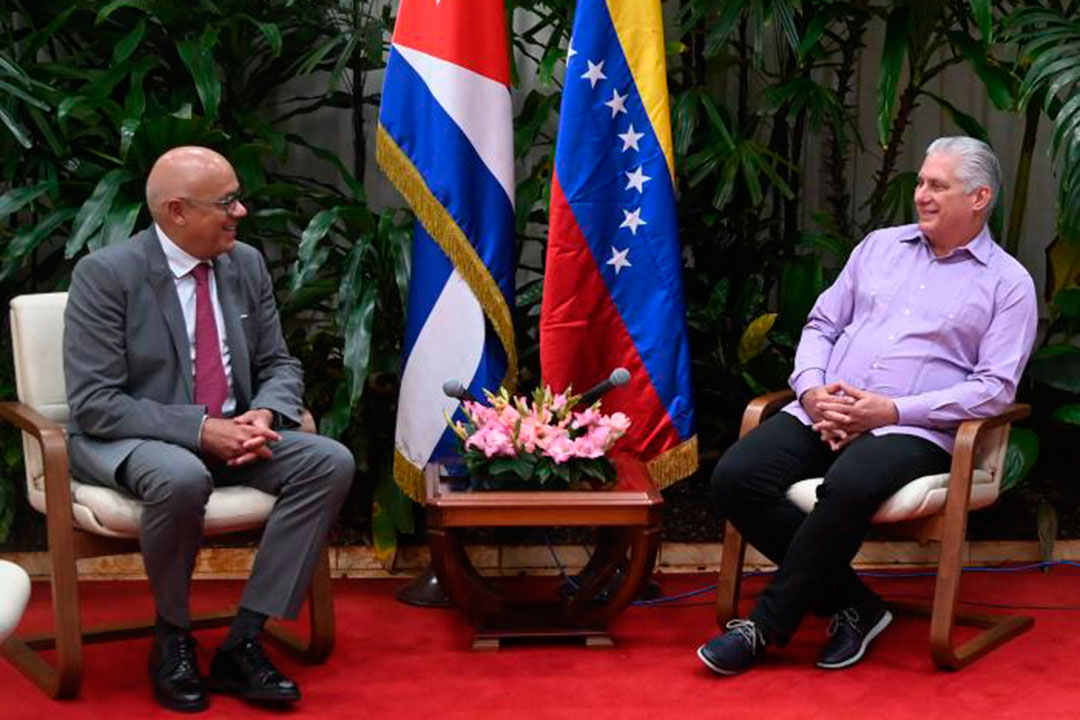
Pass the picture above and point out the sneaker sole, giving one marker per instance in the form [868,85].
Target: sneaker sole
[712,666]
[873,633]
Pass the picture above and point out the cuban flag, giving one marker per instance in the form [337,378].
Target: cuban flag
[445,140]
[613,277]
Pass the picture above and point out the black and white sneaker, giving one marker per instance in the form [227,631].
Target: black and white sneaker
[735,650]
[850,633]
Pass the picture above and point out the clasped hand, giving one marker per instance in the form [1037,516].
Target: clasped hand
[841,412]
[240,440]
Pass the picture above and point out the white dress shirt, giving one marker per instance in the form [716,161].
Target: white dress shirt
[181,265]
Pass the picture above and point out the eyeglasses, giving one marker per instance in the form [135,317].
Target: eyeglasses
[227,204]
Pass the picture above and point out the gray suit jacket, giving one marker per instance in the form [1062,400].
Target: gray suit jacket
[127,361]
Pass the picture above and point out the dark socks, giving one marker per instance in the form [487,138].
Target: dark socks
[248,624]
[163,629]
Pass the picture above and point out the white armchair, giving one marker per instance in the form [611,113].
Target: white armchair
[85,520]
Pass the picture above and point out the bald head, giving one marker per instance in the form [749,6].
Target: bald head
[178,174]
[191,193]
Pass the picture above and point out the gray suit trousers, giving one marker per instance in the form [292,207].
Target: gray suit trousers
[309,474]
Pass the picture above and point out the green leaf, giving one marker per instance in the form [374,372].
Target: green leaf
[967,123]
[1020,456]
[1068,302]
[897,28]
[129,43]
[15,128]
[984,16]
[17,198]
[1068,414]
[94,211]
[112,7]
[357,354]
[29,237]
[199,60]
[1060,371]
[119,224]
[24,96]
[314,232]
[336,419]
[270,31]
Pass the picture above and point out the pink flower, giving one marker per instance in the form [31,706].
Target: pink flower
[601,437]
[530,433]
[587,419]
[558,402]
[560,449]
[492,440]
[587,446]
[618,422]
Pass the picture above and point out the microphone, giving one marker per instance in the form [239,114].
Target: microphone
[453,388]
[619,376]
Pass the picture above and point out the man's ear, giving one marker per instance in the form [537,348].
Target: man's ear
[177,211]
[981,198]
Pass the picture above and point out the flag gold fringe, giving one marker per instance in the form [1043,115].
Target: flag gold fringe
[408,477]
[438,223]
[673,465]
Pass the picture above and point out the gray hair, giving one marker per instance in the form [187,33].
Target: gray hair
[978,164]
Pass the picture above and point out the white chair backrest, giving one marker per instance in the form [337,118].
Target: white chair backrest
[37,340]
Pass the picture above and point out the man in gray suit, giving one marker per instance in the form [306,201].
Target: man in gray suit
[178,379]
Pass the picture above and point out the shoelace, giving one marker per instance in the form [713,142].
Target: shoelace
[185,657]
[847,616]
[749,632]
[260,663]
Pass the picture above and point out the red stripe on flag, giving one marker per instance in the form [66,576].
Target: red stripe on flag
[583,338]
[469,33]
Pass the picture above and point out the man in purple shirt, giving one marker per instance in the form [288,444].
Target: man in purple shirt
[927,325]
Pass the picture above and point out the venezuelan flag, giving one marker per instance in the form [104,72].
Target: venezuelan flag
[613,277]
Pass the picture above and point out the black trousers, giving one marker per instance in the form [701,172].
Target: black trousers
[813,551]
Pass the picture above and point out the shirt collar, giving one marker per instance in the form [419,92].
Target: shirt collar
[180,262]
[980,247]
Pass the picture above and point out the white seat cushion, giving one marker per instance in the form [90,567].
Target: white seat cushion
[919,498]
[105,511]
[14,593]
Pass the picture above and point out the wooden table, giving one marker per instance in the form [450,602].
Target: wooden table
[627,519]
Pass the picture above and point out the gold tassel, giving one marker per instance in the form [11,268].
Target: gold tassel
[673,465]
[408,477]
[441,226]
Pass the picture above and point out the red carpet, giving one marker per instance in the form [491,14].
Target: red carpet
[394,661]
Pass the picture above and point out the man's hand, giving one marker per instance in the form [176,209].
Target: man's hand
[239,440]
[861,411]
[812,399]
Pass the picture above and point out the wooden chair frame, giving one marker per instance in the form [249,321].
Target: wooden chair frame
[67,543]
[948,527]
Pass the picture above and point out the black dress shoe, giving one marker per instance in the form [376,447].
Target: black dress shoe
[174,674]
[245,671]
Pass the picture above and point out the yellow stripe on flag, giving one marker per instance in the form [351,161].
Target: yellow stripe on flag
[640,27]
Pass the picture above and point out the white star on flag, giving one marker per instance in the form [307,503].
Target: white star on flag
[630,139]
[595,73]
[617,103]
[570,51]
[618,259]
[632,220]
[637,180]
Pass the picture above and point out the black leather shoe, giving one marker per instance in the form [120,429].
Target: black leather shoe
[734,651]
[245,671]
[174,674]
[850,633]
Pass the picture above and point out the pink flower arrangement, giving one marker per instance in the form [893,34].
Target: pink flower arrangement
[538,442]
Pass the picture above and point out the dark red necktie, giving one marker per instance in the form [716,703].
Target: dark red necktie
[211,387]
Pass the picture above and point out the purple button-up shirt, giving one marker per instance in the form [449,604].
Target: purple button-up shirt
[945,337]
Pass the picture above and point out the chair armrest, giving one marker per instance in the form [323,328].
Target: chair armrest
[762,407]
[970,431]
[53,442]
